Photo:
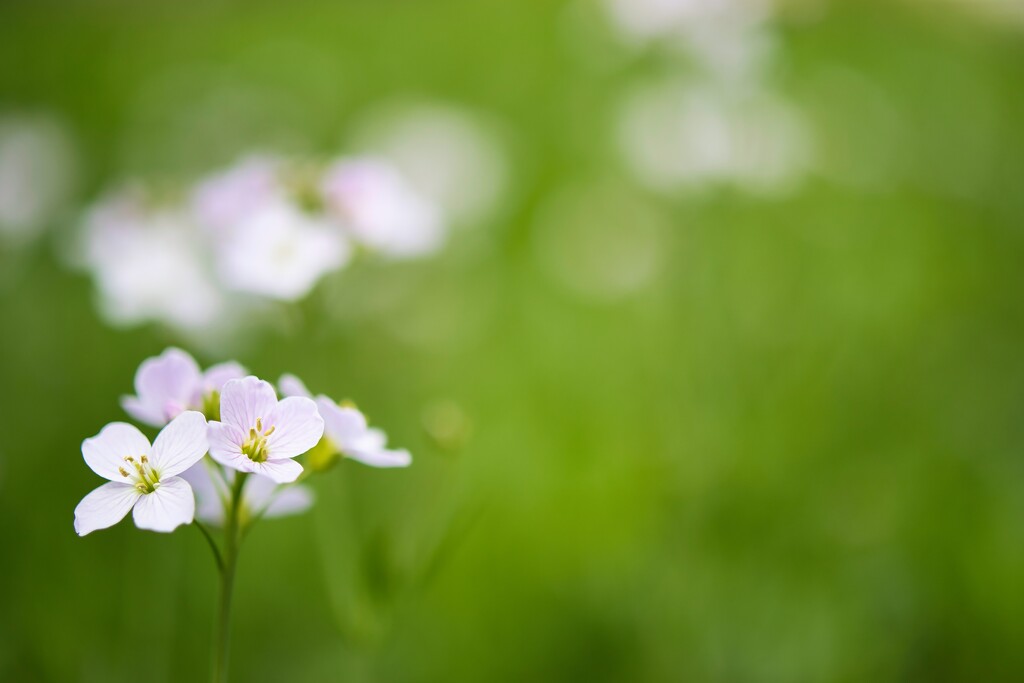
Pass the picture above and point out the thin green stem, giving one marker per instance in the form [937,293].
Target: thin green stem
[213,544]
[232,540]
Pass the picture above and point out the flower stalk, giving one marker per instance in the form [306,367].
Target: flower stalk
[232,542]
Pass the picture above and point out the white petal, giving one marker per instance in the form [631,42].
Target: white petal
[290,385]
[171,505]
[105,452]
[104,507]
[297,427]
[225,443]
[244,400]
[291,501]
[381,458]
[343,426]
[281,471]
[180,444]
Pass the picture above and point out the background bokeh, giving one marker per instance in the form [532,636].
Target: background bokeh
[761,426]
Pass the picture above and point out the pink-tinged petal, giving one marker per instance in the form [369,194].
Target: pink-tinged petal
[381,458]
[167,508]
[165,385]
[225,443]
[291,501]
[105,452]
[342,425]
[143,412]
[180,444]
[104,507]
[297,427]
[244,400]
[279,471]
[290,385]
[216,376]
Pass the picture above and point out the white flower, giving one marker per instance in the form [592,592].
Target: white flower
[223,200]
[260,434]
[677,136]
[172,382]
[142,476]
[380,208]
[36,174]
[346,430]
[280,252]
[451,157]
[149,264]
[260,496]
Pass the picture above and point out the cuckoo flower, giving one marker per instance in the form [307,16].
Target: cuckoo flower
[280,252]
[346,430]
[142,476]
[260,496]
[257,433]
[380,209]
[172,382]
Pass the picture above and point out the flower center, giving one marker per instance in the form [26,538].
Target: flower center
[144,477]
[255,447]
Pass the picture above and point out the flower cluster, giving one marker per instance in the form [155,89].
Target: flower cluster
[239,420]
[268,228]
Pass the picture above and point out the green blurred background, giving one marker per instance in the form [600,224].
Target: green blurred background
[793,452]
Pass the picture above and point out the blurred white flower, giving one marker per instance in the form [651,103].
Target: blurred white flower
[447,154]
[36,174]
[280,252]
[149,264]
[730,38]
[675,136]
[380,209]
[223,200]
[260,497]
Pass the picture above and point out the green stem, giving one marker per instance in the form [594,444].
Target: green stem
[232,539]
[213,544]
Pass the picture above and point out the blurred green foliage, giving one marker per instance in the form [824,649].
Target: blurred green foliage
[796,455]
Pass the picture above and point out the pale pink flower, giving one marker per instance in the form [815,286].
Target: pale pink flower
[257,433]
[172,382]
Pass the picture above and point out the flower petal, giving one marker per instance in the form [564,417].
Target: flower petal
[297,427]
[105,452]
[143,412]
[244,400]
[282,471]
[290,385]
[180,444]
[225,443]
[164,385]
[104,507]
[171,505]
[381,458]
[291,501]
[343,426]
[216,376]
